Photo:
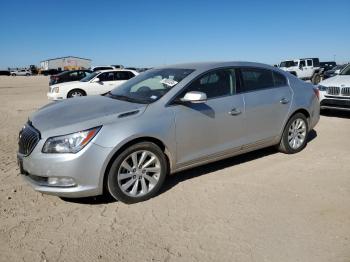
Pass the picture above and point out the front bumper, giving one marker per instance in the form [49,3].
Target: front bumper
[333,102]
[85,168]
[54,96]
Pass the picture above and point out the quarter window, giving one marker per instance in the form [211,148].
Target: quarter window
[279,79]
[256,78]
[215,84]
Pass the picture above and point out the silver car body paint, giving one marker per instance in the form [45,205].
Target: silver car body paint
[192,135]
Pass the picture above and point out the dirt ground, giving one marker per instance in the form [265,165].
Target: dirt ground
[262,206]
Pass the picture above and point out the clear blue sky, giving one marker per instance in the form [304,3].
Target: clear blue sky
[151,33]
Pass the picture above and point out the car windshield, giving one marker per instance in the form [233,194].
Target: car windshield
[89,77]
[149,86]
[287,64]
[62,73]
[345,71]
[337,67]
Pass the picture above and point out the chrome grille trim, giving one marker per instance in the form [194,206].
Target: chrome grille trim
[333,90]
[28,139]
[345,91]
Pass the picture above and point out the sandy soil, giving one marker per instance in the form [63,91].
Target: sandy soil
[262,206]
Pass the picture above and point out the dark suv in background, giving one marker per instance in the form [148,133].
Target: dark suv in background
[68,76]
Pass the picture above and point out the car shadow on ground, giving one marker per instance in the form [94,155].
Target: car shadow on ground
[175,179]
[335,113]
[222,164]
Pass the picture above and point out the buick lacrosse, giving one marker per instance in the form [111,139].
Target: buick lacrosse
[160,122]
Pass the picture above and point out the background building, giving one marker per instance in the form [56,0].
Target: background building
[66,63]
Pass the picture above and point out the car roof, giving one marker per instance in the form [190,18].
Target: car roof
[71,71]
[116,70]
[213,65]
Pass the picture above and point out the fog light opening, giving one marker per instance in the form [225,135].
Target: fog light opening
[61,182]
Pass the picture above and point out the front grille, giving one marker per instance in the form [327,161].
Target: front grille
[345,91]
[333,90]
[28,139]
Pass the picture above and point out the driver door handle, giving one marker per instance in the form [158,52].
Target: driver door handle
[234,112]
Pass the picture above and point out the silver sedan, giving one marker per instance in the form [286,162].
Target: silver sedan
[161,122]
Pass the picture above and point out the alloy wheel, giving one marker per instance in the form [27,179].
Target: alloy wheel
[297,133]
[139,173]
[76,94]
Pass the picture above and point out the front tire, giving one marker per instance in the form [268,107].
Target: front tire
[294,138]
[316,79]
[137,173]
[75,93]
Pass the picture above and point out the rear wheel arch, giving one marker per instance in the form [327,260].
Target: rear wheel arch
[134,141]
[302,111]
[284,145]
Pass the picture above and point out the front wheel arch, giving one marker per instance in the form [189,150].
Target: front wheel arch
[75,89]
[156,141]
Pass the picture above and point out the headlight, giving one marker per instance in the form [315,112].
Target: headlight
[55,89]
[322,88]
[71,143]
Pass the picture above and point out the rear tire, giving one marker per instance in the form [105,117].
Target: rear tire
[295,134]
[76,93]
[134,176]
[13,74]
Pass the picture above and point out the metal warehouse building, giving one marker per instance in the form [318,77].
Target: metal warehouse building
[66,63]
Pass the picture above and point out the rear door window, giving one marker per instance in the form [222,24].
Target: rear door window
[256,79]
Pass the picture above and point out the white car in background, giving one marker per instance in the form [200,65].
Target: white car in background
[335,91]
[21,72]
[97,83]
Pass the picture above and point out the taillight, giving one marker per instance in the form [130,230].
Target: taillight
[317,92]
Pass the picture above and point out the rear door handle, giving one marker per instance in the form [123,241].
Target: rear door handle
[284,100]
[234,112]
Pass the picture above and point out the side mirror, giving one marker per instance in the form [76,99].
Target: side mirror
[194,97]
[95,80]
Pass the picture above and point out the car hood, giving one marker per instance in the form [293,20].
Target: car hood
[287,68]
[338,80]
[75,83]
[76,114]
